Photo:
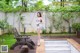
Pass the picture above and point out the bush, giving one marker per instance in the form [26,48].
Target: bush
[43,31]
[76,26]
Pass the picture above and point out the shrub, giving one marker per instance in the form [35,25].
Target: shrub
[43,31]
[76,26]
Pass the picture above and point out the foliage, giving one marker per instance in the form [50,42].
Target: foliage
[50,28]
[7,39]
[3,24]
[21,19]
[56,20]
[67,16]
[17,9]
[75,8]
[39,6]
[43,31]
[8,6]
[76,26]
[66,9]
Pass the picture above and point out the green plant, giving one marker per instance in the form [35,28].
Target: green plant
[67,16]
[43,31]
[5,25]
[8,40]
[50,28]
[39,5]
[56,21]
[76,26]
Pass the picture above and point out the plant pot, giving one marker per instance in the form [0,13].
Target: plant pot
[78,34]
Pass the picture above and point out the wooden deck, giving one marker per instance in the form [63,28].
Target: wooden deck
[41,48]
[18,50]
[74,44]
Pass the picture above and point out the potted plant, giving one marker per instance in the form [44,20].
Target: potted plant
[76,27]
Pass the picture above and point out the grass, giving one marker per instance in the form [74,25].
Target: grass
[58,34]
[53,34]
[7,40]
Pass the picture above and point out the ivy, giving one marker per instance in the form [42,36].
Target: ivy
[66,9]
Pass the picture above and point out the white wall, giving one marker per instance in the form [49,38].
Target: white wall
[30,18]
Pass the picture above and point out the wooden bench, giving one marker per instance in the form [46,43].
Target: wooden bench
[22,40]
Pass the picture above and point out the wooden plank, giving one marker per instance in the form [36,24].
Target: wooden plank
[41,48]
[74,43]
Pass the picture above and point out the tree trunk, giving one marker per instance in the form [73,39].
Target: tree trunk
[62,3]
[79,3]
[24,30]
[78,34]
[22,3]
[14,20]
[6,17]
[19,24]
[69,29]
